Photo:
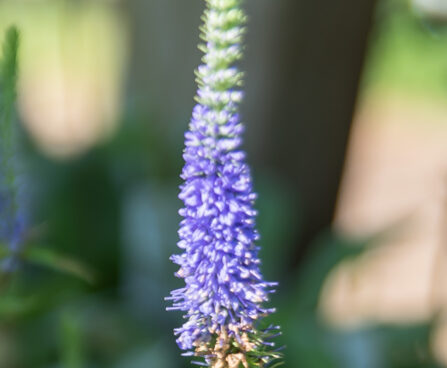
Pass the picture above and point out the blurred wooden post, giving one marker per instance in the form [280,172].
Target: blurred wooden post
[319,52]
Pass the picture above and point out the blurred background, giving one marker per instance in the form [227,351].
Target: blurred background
[346,113]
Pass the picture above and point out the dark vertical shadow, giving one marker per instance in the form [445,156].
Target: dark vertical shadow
[320,50]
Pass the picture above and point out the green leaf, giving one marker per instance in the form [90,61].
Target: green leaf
[277,364]
[72,349]
[13,306]
[49,258]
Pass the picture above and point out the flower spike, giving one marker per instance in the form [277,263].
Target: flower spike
[12,212]
[224,296]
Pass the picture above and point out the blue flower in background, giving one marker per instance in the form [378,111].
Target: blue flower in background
[225,292]
[12,214]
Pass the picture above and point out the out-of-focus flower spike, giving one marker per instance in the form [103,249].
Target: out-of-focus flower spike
[12,214]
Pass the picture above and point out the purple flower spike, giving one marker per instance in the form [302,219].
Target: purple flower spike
[12,212]
[225,292]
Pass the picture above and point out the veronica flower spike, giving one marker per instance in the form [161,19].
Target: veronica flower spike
[12,212]
[224,294]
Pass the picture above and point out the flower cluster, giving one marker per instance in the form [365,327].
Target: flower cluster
[224,293]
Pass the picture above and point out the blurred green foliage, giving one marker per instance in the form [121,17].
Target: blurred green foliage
[8,74]
[407,52]
[8,80]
